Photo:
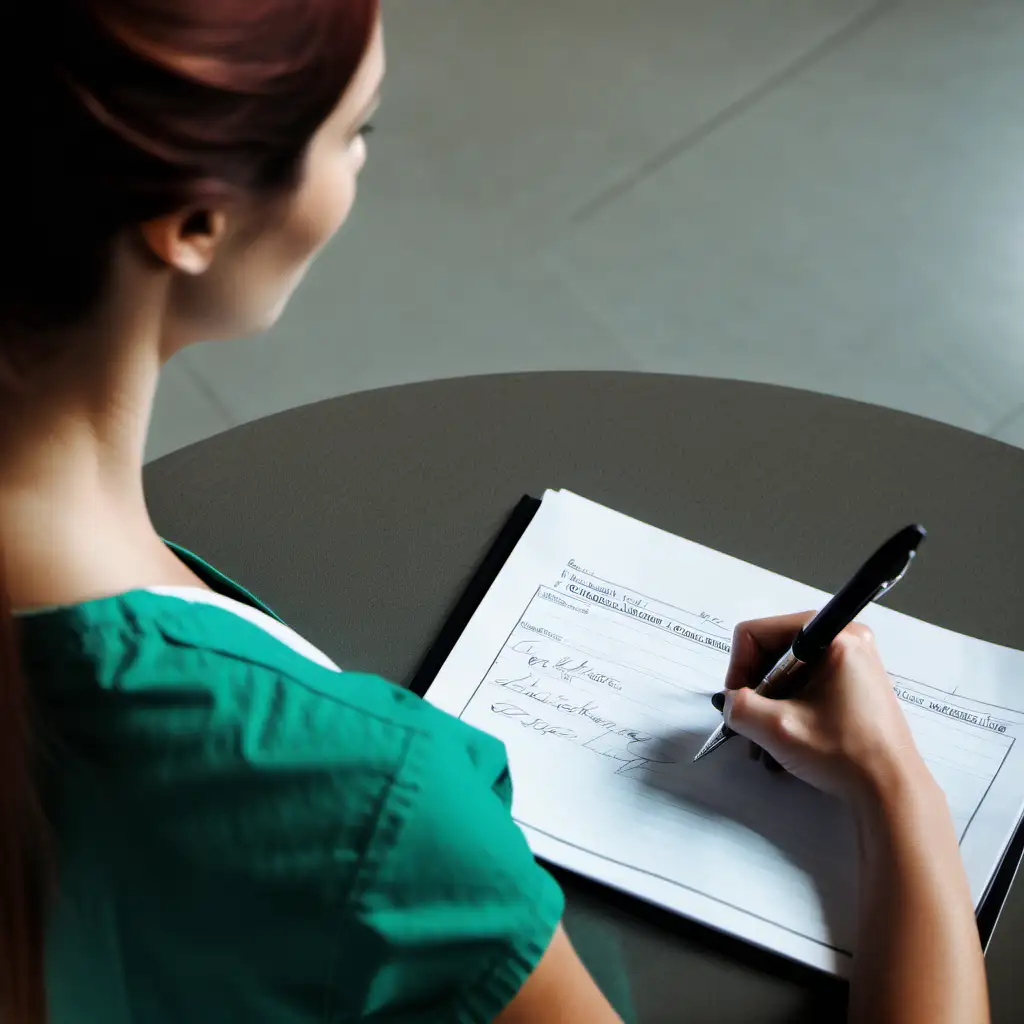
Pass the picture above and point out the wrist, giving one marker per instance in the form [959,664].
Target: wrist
[895,792]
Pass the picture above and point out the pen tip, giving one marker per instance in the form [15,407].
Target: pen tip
[714,741]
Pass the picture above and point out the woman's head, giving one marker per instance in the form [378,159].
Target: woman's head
[235,273]
[205,148]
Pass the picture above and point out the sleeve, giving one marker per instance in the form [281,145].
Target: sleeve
[451,899]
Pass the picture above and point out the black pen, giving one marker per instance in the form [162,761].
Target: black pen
[879,574]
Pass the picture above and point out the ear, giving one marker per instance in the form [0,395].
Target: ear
[187,240]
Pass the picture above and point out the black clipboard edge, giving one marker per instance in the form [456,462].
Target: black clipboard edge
[475,591]
[999,888]
[480,582]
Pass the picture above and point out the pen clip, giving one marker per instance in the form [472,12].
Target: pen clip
[890,583]
[879,574]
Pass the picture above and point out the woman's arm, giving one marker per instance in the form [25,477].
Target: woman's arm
[919,958]
[559,990]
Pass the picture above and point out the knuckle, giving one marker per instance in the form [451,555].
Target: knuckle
[784,728]
[865,634]
[741,631]
[737,709]
[736,704]
[856,637]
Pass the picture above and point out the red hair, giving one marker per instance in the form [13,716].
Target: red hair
[118,111]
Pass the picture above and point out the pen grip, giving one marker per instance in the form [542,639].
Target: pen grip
[785,679]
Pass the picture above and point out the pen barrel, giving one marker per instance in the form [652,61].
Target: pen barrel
[785,679]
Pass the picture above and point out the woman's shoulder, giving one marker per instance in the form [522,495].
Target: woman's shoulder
[165,668]
[365,835]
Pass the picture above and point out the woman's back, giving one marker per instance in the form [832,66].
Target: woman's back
[243,832]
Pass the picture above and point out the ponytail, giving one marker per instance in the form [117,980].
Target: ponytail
[23,840]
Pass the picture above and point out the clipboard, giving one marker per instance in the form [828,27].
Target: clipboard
[988,912]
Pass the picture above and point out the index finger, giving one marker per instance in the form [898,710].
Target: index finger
[757,642]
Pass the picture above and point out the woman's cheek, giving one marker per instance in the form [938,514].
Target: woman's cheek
[338,188]
[325,209]
[358,154]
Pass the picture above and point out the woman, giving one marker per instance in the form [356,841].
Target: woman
[201,818]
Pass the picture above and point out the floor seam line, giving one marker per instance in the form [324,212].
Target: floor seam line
[209,393]
[1004,421]
[735,110]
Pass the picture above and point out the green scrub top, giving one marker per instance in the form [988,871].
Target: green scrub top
[244,833]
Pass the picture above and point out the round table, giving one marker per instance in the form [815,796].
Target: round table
[360,519]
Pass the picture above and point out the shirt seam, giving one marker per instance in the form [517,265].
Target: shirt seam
[240,613]
[399,793]
[308,688]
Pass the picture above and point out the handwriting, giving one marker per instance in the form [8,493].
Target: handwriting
[636,753]
[564,665]
[526,685]
[535,724]
[539,657]
[708,617]
[628,757]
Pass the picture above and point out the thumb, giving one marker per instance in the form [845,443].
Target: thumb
[756,717]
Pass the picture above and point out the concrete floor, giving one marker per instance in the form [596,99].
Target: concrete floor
[821,193]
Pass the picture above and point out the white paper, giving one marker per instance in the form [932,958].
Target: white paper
[593,657]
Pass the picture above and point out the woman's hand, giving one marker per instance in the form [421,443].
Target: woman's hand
[845,733]
[918,958]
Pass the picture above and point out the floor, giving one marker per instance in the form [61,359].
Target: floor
[820,193]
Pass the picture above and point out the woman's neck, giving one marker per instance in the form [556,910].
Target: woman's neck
[73,517]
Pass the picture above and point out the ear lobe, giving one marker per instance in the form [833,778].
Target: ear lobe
[187,240]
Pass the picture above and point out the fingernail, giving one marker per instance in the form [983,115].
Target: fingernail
[718,700]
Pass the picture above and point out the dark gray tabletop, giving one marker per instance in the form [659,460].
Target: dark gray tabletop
[360,519]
